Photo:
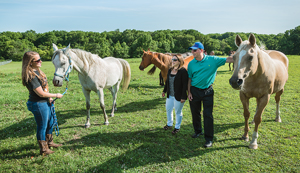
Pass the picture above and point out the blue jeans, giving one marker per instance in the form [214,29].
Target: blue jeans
[43,118]
[171,103]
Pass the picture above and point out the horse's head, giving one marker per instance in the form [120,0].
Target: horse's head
[146,60]
[245,61]
[63,66]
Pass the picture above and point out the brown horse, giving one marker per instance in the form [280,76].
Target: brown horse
[160,60]
[258,73]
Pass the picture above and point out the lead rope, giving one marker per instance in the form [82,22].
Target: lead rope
[55,123]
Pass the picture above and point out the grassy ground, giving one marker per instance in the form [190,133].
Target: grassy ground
[135,141]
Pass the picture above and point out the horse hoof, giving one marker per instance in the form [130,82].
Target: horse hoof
[245,138]
[278,120]
[253,146]
[112,115]
[106,123]
[87,126]
[252,122]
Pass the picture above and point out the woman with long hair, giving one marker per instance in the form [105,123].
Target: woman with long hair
[176,89]
[39,100]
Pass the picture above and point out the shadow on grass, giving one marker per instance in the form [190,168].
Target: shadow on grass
[27,126]
[146,147]
[224,72]
[145,86]
[10,154]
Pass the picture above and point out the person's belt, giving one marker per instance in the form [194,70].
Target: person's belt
[204,89]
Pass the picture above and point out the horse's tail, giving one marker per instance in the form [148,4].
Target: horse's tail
[126,73]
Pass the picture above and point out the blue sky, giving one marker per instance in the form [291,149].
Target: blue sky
[206,16]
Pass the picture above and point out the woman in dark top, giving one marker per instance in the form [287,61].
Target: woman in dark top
[39,100]
[176,89]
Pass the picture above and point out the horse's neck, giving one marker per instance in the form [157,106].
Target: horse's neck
[264,61]
[160,61]
[78,63]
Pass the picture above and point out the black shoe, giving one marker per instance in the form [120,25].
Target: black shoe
[208,144]
[196,135]
[175,131]
[166,127]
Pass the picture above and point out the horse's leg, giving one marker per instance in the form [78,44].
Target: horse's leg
[102,105]
[114,91]
[245,102]
[88,106]
[161,80]
[229,66]
[277,99]
[253,122]
[261,105]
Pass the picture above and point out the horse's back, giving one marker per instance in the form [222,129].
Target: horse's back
[114,70]
[118,70]
[281,69]
[187,60]
[278,56]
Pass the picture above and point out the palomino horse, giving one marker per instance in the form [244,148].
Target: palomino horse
[160,60]
[258,73]
[95,74]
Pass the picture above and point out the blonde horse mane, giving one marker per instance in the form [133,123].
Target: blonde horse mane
[245,43]
[86,57]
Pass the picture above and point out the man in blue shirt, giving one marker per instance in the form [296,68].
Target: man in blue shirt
[202,72]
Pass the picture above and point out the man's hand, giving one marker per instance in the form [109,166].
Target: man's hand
[190,96]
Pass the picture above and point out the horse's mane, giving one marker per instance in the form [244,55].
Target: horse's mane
[245,43]
[85,56]
[55,53]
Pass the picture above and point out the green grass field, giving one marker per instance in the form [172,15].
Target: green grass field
[135,141]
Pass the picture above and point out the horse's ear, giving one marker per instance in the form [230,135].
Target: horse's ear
[238,40]
[252,39]
[148,49]
[65,50]
[54,47]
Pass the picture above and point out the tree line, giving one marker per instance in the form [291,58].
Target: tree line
[131,43]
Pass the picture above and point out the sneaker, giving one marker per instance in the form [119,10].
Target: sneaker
[208,144]
[196,135]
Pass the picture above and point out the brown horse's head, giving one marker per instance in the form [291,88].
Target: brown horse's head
[245,61]
[146,60]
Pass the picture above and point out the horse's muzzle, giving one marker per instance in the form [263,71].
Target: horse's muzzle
[236,83]
[141,68]
[57,82]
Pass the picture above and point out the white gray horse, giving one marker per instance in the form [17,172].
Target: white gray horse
[95,74]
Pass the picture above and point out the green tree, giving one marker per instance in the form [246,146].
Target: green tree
[121,50]
[183,42]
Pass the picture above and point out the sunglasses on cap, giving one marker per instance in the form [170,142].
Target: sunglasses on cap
[37,61]
[174,59]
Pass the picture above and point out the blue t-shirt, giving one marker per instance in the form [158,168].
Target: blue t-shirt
[202,73]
